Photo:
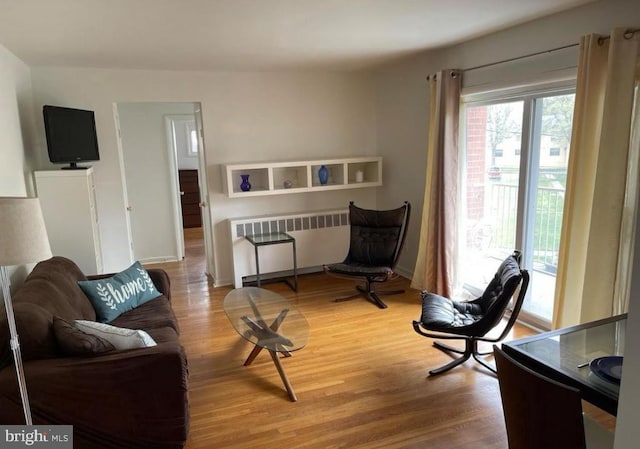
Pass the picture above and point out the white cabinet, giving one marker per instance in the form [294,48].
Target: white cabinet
[273,178]
[68,202]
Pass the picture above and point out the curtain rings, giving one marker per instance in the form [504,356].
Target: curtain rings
[452,73]
[628,34]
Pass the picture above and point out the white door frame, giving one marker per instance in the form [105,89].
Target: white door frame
[174,184]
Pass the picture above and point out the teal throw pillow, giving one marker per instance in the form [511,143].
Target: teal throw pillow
[113,296]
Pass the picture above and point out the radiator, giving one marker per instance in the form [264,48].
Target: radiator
[321,237]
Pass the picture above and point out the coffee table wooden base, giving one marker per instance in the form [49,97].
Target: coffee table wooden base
[250,309]
[276,360]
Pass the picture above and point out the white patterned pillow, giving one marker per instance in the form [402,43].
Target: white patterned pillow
[119,337]
[115,295]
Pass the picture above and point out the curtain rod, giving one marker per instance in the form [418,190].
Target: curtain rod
[519,57]
[628,34]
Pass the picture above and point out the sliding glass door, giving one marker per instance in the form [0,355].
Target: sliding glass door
[514,169]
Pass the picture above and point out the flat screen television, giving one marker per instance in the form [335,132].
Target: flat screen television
[71,136]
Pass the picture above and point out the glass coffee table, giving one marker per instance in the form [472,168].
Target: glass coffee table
[270,322]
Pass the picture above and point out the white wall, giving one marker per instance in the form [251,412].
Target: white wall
[402,117]
[16,125]
[247,117]
[149,177]
[16,131]
[628,410]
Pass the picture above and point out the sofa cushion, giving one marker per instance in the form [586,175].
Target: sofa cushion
[53,285]
[125,291]
[163,335]
[119,337]
[156,313]
[74,342]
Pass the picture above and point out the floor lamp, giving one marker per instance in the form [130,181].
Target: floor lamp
[23,240]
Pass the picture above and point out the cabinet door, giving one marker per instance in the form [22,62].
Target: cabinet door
[68,206]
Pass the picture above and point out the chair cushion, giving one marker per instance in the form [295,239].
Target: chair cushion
[505,281]
[442,314]
[373,246]
[375,273]
[477,317]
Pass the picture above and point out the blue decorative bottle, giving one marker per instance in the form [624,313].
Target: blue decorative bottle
[245,185]
[323,174]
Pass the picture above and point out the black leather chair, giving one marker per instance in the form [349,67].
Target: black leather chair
[375,243]
[542,413]
[443,318]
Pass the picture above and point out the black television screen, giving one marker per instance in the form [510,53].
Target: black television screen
[71,135]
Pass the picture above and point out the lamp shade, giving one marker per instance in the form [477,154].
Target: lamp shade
[23,236]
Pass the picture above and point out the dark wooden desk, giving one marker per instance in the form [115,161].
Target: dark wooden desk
[562,355]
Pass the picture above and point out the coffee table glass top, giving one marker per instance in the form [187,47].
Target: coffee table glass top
[266,319]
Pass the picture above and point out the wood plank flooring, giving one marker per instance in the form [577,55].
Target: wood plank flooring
[361,381]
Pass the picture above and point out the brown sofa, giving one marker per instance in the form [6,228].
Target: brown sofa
[135,398]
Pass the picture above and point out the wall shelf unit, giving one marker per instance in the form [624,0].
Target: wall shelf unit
[274,178]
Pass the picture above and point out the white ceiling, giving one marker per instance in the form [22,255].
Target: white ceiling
[249,34]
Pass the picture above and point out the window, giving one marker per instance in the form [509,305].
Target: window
[193,142]
[192,137]
[520,207]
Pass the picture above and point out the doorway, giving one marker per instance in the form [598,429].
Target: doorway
[158,142]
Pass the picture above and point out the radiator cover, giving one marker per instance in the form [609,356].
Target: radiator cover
[321,237]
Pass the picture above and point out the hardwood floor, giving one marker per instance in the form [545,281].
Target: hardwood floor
[361,381]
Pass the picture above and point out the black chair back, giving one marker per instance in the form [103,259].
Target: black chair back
[376,236]
[497,295]
[538,412]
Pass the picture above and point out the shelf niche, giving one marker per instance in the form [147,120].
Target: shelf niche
[273,178]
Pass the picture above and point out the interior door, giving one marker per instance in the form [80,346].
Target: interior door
[204,192]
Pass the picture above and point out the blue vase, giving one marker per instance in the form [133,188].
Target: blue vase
[245,185]
[323,174]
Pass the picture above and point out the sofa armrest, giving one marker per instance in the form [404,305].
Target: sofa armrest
[134,398]
[161,280]
[159,277]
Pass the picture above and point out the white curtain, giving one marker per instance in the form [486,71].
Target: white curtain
[434,264]
[602,183]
